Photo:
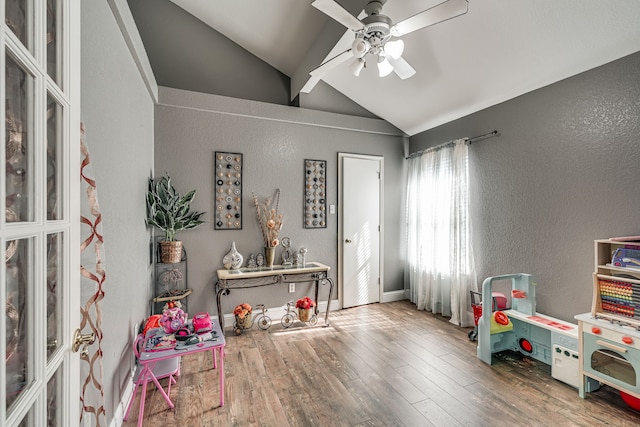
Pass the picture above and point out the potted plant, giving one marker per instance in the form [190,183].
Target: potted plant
[170,212]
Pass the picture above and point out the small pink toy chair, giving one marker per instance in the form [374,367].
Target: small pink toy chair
[167,368]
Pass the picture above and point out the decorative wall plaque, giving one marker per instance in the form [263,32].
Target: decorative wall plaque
[228,191]
[315,191]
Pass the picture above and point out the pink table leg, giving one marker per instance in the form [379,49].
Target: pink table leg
[143,395]
[221,350]
[145,374]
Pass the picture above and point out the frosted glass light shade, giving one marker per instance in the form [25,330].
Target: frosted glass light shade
[360,47]
[384,67]
[356,66]
[394,49]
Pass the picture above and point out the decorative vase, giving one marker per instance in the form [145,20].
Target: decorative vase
[269,255]
[170,252]
[244,322]
[233,259]
[304,314]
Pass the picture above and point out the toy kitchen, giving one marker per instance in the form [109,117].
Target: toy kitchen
[610,334]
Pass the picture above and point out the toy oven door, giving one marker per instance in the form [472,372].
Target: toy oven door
[612,362]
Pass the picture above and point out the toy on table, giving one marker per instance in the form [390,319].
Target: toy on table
[151,322]
[194,339]
[172,319]
[160,342]
[202,323]
[197,330]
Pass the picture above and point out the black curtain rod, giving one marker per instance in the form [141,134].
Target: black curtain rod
[482,137]
[470,140]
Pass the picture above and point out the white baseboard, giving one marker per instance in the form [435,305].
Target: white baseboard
[276,313]
[127,395]
[391,296]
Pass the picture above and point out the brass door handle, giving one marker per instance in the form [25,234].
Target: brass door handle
[84,340]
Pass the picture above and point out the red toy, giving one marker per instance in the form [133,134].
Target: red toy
[633,402]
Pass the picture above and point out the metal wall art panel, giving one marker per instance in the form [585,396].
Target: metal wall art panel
[315,194]
[228,191]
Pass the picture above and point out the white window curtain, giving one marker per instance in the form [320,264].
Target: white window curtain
[440,256]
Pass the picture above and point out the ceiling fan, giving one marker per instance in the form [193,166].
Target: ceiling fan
[374,33]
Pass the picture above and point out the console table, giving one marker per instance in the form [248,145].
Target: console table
[244,278]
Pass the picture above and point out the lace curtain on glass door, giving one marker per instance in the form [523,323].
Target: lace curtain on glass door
[93,276]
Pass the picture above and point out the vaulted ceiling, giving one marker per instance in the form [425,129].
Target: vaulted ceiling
[498,50]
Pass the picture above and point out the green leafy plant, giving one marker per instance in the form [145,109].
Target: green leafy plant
[168,210]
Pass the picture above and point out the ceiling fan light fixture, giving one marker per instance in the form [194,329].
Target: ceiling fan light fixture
[384,67]
[373,34]
[394,48]
[360,47]
[356,66]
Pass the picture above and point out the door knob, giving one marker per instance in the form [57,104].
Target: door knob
[347,241]
[84,340]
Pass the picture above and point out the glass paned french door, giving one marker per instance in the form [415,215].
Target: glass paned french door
[54,159]
[53,35]
[39,244]
[18,142]
[18,19]
[19,298]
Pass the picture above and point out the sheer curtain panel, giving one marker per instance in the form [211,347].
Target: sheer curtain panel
[440,256]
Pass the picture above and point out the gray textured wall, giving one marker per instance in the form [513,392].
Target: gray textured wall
[562,173]
[275,140]
[118,114]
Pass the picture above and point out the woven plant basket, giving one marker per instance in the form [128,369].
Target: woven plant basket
[245,322]
[304,314]
[170,252]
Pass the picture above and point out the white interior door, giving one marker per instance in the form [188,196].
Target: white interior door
[39,224]
[361,198]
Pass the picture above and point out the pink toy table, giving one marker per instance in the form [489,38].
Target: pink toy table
[148,359]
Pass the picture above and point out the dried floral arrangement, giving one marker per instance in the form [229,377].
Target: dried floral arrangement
[269,218]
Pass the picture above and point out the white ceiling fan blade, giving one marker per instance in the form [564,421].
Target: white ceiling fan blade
[442,12]
[333,62]
[339,13]
[402,67]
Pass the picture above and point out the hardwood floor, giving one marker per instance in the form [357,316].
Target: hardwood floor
[376,365]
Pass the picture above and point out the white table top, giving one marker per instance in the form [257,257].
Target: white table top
[246,272]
